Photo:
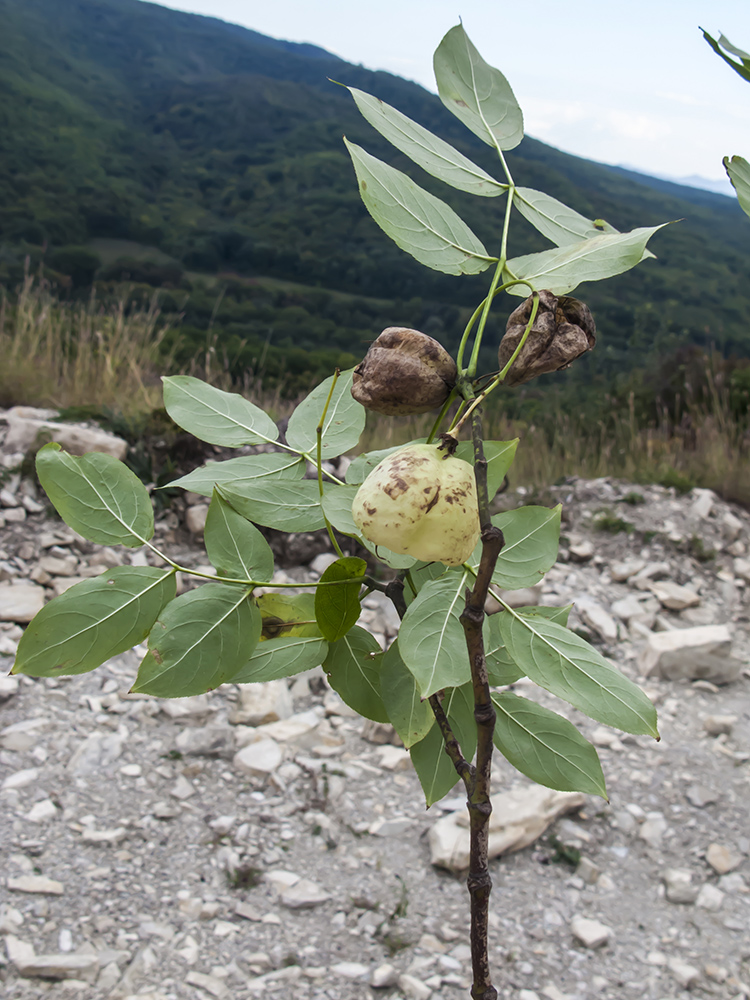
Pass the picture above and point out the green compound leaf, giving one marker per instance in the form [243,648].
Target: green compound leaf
[344,421]
[555,220]
[235,546]
[476,93]
[282,657]
[561,662]
[432,640]
[94,621]
[200,640]
[97,496]
[501,666]
[411,717]
[416,220]
[742,67]
[239,471]
[337,505]
[434,155]
[213,415]
[362,465]
[563,269]
[532,536]
[284,504]
[502,669]
[738,170]
[288,615]
[499,455]
[338,608]
[353,669]
[434,768]
[546,747]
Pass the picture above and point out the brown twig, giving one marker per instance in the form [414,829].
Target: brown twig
[479,882]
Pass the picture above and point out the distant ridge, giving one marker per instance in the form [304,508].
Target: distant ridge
[123,120]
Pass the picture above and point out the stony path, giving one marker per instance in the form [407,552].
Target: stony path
[146,852]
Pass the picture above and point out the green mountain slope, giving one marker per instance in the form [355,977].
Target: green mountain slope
[222,148]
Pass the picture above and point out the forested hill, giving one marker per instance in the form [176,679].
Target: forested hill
[123,120]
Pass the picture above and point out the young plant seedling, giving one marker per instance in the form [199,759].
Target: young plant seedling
[422,512]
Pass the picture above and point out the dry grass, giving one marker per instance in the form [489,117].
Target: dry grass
[110,359]
[71,354]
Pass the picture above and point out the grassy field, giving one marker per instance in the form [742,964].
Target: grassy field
[84,356]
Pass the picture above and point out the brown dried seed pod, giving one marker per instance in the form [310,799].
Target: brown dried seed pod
[563,330]
[404,371]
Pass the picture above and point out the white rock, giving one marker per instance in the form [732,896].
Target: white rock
[413,988]
[291,730]
[673,596]
[731,526]
[691,653]
[384,976]
[685,974]
[722,859]
[710,897]
[679,886]
[622,571]
[197,706]
[25,424]
[42,811]
[182,788]
[97,753]
[303,895]
[582,551]
[195,518]
[321,563]
[719,725]
[598,619]
[211,984]
[36,884]
[20,779]
[58,565]
[590,933]
[112,836]
[19,602]
[395,827]
[702,504]
[651,571]
[263,703]
[653,830]
[519,817]
[8,685]
[351,970]
[259,759]
[62,966]
[392,758]
[741,569]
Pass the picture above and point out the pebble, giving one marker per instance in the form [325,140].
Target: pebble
[259,759]
[36,884]
[22,778]
[384,976]
[719,725]
[303,895]
[591,933]
[413,988]
[351,970]
[685,974]
[679,886]
[710,897]
[722,859]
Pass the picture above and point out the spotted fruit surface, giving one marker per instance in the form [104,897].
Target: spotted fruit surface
[420,501]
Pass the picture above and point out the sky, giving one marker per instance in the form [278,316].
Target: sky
[631,84]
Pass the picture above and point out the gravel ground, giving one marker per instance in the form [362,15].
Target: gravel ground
[177,873]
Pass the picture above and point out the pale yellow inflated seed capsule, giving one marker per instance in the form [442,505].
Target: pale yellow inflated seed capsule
[422,502]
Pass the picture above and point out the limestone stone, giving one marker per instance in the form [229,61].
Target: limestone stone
[623,570]
[195,518]
[259,759]
[582,551]
[26,425]
[598,619]
[719,725]
[691,653]
[591,933]
[731,526]
[263,703]
[722,859]
[36,884]
[384,976]
[303,895]
[679,886]
[8,685]
[351,970]
[19,602]
[686,975]
[710,897]
[671,595]
[519,817]
[413,988]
